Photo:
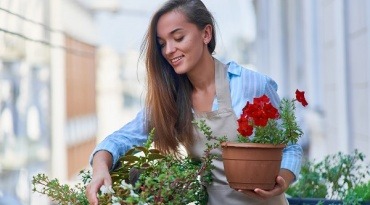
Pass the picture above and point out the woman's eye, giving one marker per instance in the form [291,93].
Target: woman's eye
[179,39]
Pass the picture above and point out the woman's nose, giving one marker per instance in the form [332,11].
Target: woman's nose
[169,48]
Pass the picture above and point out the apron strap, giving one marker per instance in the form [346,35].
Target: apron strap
[222,85]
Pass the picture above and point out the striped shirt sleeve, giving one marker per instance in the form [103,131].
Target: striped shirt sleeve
[120,141]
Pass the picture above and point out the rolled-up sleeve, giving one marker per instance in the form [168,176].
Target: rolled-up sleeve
[120,141]
[292,159]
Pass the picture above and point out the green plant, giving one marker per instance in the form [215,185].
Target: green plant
[339,176]
[145,176]
[343,172]
[310,184]
[62,193]
[269,125]
[360,193]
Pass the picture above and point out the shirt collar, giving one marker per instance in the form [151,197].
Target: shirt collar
[234,68]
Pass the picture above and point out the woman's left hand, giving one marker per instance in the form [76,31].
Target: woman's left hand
[282,183]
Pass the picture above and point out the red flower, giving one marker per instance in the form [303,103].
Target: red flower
[257,113]
[300,97]
[261,100]
[271,111]
[268,124]
[245,128]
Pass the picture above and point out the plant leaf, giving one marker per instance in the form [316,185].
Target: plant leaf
[143,149]
[130,158]
[154,156]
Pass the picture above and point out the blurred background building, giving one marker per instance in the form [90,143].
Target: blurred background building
[48,117]
[70,74]
[322,47]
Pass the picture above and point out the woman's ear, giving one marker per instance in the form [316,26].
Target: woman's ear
[207,34]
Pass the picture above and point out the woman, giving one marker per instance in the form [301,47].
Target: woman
[184,83]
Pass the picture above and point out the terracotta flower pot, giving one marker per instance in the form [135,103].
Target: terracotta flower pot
[251,165]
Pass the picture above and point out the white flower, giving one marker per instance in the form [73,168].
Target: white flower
[106,190]
[116,200]
[133,194]
[130,187]
[125,185]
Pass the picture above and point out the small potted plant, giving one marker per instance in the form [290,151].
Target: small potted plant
[254,160]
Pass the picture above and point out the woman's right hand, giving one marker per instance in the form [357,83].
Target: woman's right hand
[102,162]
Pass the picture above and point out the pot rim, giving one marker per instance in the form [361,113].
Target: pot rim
[238,144]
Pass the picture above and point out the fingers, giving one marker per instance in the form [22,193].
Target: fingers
[277,190]
[107,181]
[264,194]
[93,188]
[251,194]
[102,162]
[91,193]
[281,182]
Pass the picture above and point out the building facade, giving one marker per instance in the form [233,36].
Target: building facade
[48,117]
[322,47]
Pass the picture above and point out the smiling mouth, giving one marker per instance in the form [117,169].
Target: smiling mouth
[174,60]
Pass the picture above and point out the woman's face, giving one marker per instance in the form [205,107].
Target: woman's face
[182,43]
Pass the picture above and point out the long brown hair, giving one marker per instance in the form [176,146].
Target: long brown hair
[168,100]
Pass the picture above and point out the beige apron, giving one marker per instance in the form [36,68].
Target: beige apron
[223,122]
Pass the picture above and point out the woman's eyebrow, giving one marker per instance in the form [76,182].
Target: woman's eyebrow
[172,32]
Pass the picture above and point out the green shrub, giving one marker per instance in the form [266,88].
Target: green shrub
[145,176]
[339,176]
[310,183]
[360,193]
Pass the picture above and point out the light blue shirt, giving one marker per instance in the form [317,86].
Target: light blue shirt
[245,85]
